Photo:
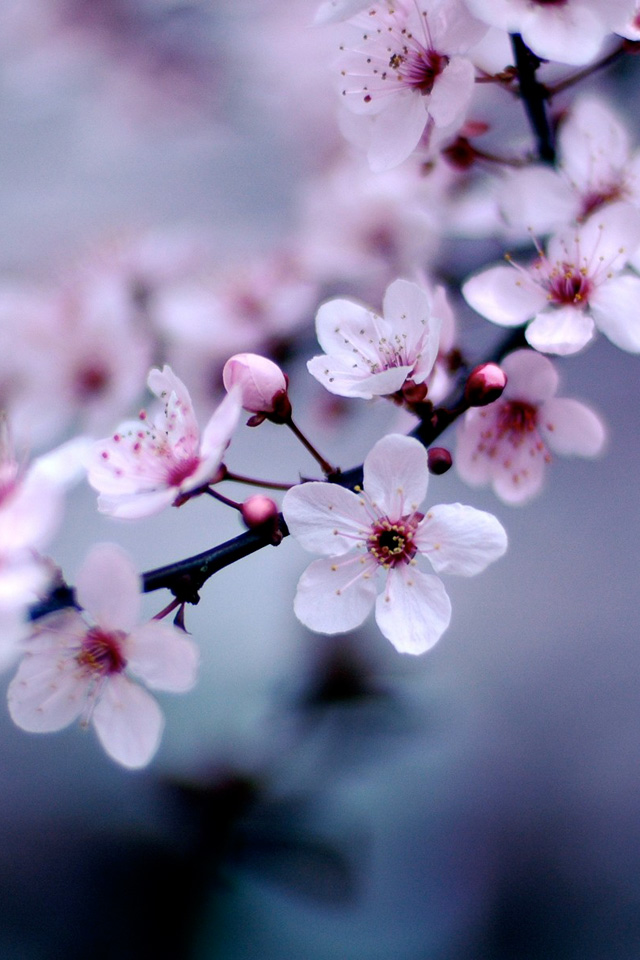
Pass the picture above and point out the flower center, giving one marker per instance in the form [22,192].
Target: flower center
[517,418]
[181,469]
[91,381]
[600,198]
[569,286]
[392,543]
[418,68]
[101,651]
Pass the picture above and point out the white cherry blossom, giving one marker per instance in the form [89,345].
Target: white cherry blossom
[578,286]
[401,66]
[379,530]
[569,31]
[367,355]
[77,665]
[150,463]
[597,168]
[509,443]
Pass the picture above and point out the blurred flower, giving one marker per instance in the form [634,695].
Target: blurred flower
[150,463]
[383,524]
[507,443]
[74,665]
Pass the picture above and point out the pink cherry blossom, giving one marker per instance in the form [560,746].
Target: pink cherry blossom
[509,443]
[379,529]
[260,381]
[77,665]
[367,355]
[578,286]
[401,66]
[150,463]
[569,31]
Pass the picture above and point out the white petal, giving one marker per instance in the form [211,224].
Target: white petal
[336,595]
[560,330]
[344,329]
[530,377]
[108,587]
[325,518]
[616,312]
[128,722]
[571,428]
[218,431]
[538,199]
[460,539]
[396,131]
[414,610]
[163,656]
[452,91]
[47,693]
[134,506]
[396,475]
[345,380]
[408,309]
[504,295]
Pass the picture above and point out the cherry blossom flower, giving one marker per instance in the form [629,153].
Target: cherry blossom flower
[77,665]
[577,286]
[569,31]
[401,67]
[150,463]
[367,355]
[596,169]
[260,382]
[508,443]
[382,524]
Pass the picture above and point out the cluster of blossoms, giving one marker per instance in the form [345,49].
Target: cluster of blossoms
[411,76]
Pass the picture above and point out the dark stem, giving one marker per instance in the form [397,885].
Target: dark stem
[587,71]
[252,482]
[327,469]
[534,95]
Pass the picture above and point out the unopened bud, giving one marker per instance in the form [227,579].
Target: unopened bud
[439,460]
[263,386]
[485,384]
[260,511]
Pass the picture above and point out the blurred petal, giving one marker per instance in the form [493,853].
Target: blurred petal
[128,722]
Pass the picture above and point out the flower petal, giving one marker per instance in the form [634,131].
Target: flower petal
[571,428]
[108,587]
[615,311]
[530,377]
[560,330]
[336,595]
[325,518]
[396,475]
[47,693]
[460,539]
[396,130]
[414,610]
[128,722]
[163,656]
[504,295]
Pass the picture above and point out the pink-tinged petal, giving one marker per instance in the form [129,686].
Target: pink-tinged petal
[345,329]
[408,311]
[108,587]
[472,459]
[22,578]
[163,656]
[568,33]
[218,431]
[396,475]
[47,693]
[452,92]
[504,295]
[336,595]
[560,330]
[164,383]
[136,505]
[128,722]
[616,313]
[530,377]
[66,464]
[396,130]
[325,518]
[30,515]
[593,143]
[610,236]
[459,539]
[571,428]
[519,476]
[413,611]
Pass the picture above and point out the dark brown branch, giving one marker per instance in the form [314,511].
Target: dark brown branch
[534,96]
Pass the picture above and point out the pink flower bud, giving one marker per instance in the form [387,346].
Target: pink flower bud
[262,383]
[261,511]
[485,384]
[439,460]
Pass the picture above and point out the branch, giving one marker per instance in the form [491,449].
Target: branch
[534,95]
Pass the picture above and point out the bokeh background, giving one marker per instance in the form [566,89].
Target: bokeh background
[313,797]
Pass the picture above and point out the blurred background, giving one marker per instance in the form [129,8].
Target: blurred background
[175,188]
